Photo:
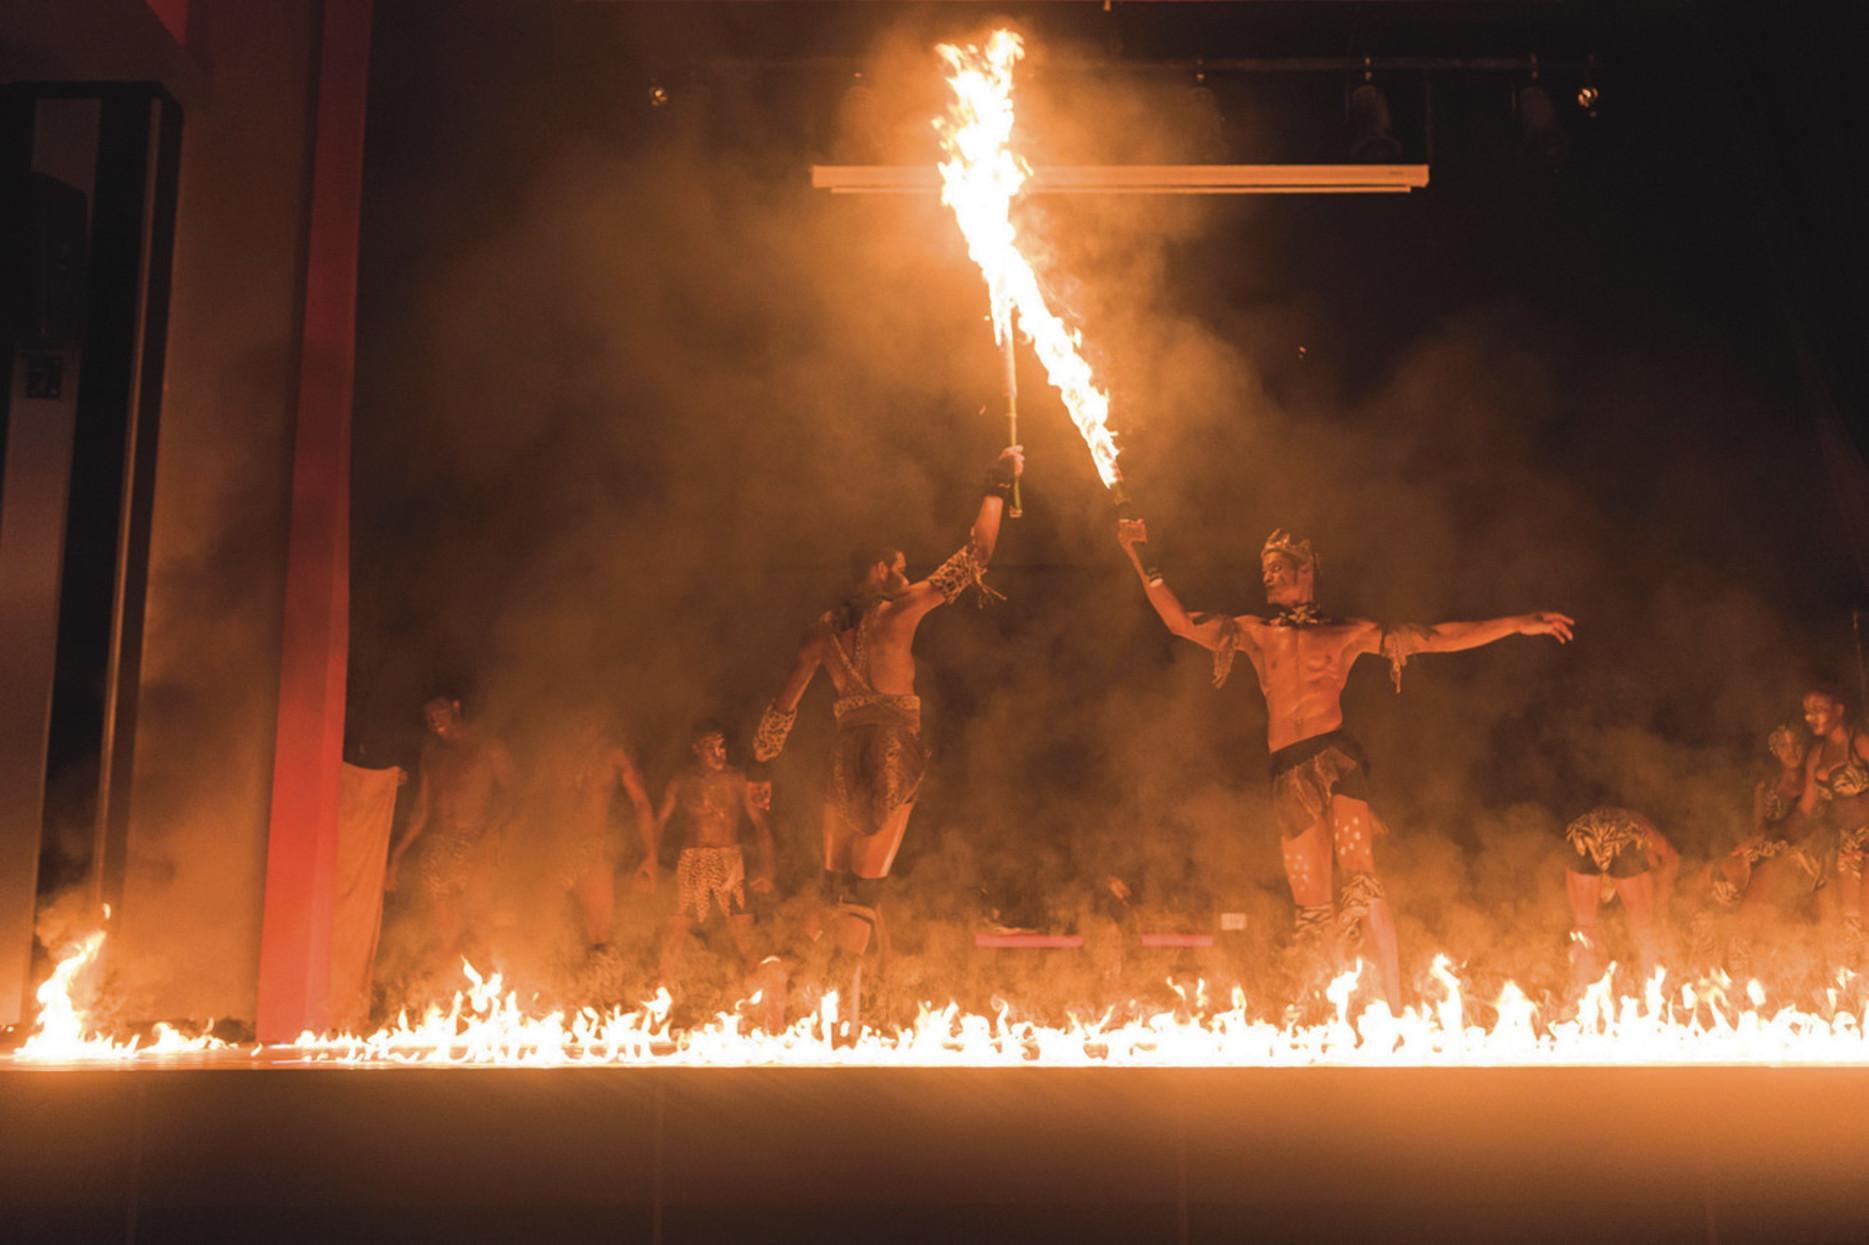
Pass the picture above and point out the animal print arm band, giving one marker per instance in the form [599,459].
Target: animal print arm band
[965,569]
[774,727]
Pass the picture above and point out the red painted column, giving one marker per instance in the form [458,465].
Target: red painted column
[301,845]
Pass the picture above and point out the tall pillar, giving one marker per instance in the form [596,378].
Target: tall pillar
[295,933]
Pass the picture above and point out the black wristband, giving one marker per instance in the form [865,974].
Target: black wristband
[999,480]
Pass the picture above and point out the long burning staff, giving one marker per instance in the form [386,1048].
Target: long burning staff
[979,180]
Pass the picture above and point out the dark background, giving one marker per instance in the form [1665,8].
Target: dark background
[629,390]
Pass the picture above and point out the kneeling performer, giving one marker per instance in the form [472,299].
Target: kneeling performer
[876,767]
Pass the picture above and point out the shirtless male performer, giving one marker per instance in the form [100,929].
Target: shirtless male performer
[582,775]
[1320,777]
[463,801]
[867,644]
[711,871]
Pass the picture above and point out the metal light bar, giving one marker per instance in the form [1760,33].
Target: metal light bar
[1143,179]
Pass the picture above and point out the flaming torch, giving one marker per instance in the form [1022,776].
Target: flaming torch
[980,178]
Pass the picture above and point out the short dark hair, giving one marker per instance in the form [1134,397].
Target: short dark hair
[1831,690]
[863,557]
[704,727]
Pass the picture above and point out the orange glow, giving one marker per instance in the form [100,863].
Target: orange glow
[980,178]
[61,1034]
[1704,1024]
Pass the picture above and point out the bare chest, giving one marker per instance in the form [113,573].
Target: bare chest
[1306,656]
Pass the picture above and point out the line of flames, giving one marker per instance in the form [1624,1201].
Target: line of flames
[486,1024]
[980,178]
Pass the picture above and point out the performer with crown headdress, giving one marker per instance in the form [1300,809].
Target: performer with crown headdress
[1320,777]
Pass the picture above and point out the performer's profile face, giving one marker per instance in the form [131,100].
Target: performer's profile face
[1821,713]
[897,580]
[1287,581]
[1788,748]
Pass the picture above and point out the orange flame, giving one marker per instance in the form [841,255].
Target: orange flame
[61,1034]
[1697,1025]
[980,178]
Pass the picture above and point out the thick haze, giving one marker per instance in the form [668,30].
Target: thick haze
[629,392]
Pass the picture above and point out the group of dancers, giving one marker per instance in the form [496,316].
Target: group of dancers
[1808,834]
[1811,822]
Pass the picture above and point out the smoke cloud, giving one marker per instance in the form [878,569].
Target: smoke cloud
[631,391]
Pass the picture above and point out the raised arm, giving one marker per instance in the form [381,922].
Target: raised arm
[968,564]
[1208,630]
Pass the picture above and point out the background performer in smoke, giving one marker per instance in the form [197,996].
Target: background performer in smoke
[1320,792]
[463,802]
[867,644]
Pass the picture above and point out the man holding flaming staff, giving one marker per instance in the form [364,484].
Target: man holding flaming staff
[1320,777]
[867,644]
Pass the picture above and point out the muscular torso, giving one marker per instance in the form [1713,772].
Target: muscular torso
[1846,811]
[584,780]
[462,778]
[888,657]
[710,802]
[1302,672]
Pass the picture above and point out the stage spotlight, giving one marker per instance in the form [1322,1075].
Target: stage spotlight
[1588,97]
[658,95]
[1541,137]
[1372,129]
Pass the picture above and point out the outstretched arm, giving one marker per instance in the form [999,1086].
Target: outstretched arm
[1453,637]
[1398,644]
[1208,630]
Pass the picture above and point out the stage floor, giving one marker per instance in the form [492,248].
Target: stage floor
[221,1147]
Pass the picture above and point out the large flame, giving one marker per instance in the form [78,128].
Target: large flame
[1705,1024]
[61,1034]
[980,178]
[1709,1022]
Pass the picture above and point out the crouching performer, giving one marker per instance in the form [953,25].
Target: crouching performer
[1320,777]
[1617,854]
[876,765]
